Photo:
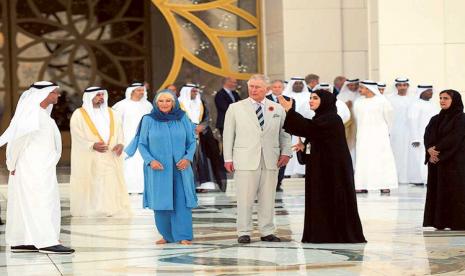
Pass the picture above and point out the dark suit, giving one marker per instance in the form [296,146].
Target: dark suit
[335,91]
[282,169]
[222,102]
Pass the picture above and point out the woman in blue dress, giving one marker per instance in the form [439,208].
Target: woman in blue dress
[166,141]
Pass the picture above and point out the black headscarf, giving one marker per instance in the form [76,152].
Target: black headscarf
[327,104]
[456,107]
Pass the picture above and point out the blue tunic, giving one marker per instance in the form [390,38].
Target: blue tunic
[167,142]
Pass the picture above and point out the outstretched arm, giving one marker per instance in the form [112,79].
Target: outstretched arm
[296,124]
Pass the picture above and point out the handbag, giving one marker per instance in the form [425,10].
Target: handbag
[303,156]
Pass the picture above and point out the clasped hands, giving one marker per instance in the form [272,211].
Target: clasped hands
[102,147]
[433,155]
[181,165]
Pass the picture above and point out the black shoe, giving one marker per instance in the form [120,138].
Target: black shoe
[385,191]
[279,189]
[270,238]
[24,249]
[244,239]
[361,191]
[223,187]
[56,249]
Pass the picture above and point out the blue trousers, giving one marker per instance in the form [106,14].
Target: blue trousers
[176,225]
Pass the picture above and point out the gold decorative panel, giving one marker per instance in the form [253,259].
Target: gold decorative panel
[220,37]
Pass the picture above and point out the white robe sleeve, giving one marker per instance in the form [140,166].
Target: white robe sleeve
[413,122]
[343,111]
[119,135]
[14,150]
[388,113]
[77,133]
[58,145]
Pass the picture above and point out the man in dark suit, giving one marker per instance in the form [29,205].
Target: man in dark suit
[277,88]
[338,83]
[223,98]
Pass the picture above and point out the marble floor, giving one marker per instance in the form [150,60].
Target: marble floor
[397,244]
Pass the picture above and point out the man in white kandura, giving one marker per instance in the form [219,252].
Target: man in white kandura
[297,90]
[381,87]
[349,94]
[97,186]
[32,153]
[400,132]
[375,168]
[419,115]
[131,111]
[255,146]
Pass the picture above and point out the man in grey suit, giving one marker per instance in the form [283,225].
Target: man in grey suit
[255,146]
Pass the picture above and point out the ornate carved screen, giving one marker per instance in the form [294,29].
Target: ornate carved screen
[78,44]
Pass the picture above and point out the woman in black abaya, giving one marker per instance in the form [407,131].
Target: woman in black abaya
[331,214]
[445,144]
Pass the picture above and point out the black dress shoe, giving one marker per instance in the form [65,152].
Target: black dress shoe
[279,189]
[24,249]
[223,186]
[270,238]
[244,239]
[56,249]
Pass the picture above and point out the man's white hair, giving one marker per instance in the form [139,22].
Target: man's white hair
[261,77]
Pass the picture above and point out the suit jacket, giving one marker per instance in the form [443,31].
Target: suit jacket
[244,140]
[222,102]
[270,97]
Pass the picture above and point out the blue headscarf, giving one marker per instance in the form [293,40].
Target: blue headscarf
[175,114]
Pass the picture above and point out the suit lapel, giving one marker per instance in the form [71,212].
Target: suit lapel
[268,115]
[225,94]
[252,115]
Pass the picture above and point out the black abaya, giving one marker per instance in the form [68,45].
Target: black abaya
[445,197]
[331,214]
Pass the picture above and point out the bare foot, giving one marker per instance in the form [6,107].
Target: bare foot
[161,241]
[185,242]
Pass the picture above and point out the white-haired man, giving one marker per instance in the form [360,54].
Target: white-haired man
[255,146]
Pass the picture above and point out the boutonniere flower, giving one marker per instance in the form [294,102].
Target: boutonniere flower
[271,108]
